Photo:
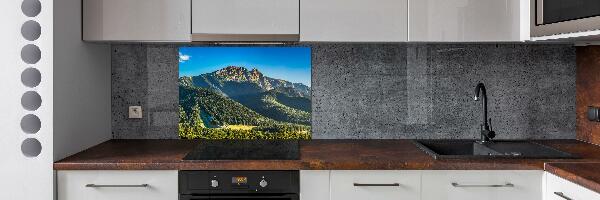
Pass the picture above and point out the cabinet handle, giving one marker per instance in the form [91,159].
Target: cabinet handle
[469,186]
[376,184]
[562,195]
[115,186]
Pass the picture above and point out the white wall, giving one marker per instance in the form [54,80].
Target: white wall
[82,98]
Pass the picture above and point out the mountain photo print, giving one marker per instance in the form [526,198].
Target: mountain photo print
[244,93]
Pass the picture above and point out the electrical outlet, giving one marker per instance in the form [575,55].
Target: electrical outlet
[135,112]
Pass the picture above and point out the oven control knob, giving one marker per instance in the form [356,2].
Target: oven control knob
[214,183]
[263,183]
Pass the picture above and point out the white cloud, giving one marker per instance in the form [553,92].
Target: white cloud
[183,57]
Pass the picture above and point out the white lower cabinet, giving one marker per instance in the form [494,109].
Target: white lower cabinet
[560,189]
[314,184]
[341,185]
[375,185]
[482,185]
[117,185]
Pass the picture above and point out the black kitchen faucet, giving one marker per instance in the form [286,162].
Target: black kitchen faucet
[487,134]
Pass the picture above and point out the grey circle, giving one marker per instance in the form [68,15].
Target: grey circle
[31,77]
[31,30]
[31,124]
[31,147]
[31,54]
[31,8]
[31,100]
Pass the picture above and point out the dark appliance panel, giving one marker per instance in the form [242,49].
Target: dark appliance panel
[232,185]
[554,11]
[271,197]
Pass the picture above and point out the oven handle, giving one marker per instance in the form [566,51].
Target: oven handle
[285,196]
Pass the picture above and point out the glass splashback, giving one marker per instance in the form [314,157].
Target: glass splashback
[244,93]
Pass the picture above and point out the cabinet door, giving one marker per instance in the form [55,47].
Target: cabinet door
[220,18]
[354,20]
[136,20]
[314,185]
[482,185]
[117,185]
[468,21]
[375,185]
[560,189]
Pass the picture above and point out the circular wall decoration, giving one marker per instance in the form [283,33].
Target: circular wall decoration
[31,124]
[31,100]
[31,54]
[31,77]
[31,8]
[31,30]
[31,147]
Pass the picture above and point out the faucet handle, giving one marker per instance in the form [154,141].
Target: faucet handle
[491,133]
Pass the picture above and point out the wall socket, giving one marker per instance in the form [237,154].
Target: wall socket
[135,112]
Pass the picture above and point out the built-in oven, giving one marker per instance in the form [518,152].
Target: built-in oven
[552,17]
[238,185]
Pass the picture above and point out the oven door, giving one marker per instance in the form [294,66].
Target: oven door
[551,17]
[240,197]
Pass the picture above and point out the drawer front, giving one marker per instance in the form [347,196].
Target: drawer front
[560,189]
[117,185]
[375,185]
[482,185]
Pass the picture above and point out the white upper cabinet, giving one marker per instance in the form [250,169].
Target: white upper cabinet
[245,20]
[136,20]
[468,20]
[354,20]
[307,20]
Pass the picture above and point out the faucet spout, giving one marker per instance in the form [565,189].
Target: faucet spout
[480,94]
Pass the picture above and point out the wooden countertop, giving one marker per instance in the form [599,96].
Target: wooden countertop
[314,154]
[331,155]
[584,174]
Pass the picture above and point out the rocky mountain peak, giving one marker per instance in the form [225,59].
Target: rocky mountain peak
[233,73]
[238,81]
[255,75]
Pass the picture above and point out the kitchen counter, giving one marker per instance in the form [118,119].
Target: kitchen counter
[584,174]
[314,155]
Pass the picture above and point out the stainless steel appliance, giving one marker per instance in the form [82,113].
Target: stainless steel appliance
[239,185]
[552,17]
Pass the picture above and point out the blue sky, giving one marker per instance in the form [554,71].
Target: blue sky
[288,63]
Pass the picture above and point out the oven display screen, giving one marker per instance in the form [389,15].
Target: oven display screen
[239,180]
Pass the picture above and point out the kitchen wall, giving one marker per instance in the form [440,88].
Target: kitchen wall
[82,109]
[381,91]
[588,83]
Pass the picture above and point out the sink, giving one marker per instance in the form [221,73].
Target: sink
[469,149]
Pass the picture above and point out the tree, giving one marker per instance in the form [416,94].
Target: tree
[195,119]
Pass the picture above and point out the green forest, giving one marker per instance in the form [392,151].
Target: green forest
[205,113]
